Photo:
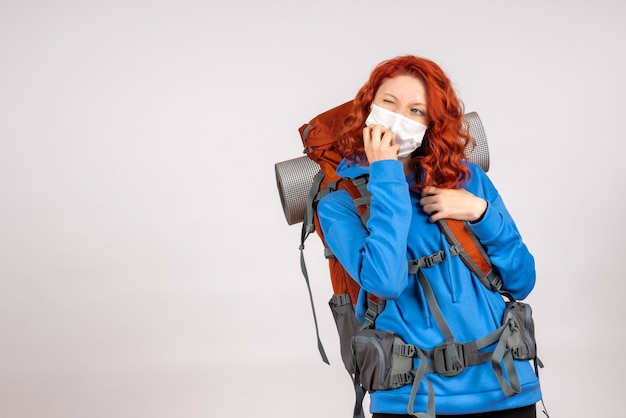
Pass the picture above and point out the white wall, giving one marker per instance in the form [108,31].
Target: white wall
[146,268]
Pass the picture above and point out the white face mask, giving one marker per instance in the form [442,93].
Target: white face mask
[406,132]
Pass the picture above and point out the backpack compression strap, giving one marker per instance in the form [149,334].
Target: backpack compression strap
[308,226]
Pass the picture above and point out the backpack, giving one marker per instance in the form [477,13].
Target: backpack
[302,182]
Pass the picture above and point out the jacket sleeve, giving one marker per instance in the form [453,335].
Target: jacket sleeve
[375,256]
[502,240]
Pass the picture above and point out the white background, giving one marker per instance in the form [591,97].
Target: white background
[146,268]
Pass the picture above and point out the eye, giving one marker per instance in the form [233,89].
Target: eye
[417,111]
[387,101]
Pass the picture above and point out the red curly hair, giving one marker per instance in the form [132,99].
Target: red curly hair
[443,148]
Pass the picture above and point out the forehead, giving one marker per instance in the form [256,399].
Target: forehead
[404,87]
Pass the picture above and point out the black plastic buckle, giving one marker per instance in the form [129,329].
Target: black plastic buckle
[449,359]
[433,259]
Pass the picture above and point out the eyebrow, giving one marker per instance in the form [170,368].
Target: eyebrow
[412,104]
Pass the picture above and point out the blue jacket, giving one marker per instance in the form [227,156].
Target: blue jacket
[398,230]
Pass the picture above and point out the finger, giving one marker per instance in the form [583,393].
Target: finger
[387,138]
[433,190]
[430,209]
[432,212]
[377,133]
[367,135]
[435,217]
[424,202]
[429,199]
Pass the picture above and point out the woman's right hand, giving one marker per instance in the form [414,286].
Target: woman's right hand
[378,143]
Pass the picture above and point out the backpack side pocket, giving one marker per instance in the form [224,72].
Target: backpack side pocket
[522,340]
[379,365]
[347,327]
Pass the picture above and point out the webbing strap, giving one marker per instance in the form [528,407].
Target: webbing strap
[401,379]
[489,339]
[503,354]
[340,300]
[420,374]
[374,308]
[424,365]
[452,358]
[450,361]
[364,199]
[359,393]
[320,346]
[426,261]
[434,307]
[435,361]
[308,226]
[474,256]
[305,133]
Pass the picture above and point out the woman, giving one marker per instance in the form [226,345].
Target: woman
[405,132]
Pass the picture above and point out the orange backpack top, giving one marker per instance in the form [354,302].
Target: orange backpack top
[319,138]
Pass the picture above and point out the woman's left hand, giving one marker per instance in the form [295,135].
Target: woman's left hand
[452,204]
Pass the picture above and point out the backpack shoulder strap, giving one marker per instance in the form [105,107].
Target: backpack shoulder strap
[357,188]
[464,242]
[466,245]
